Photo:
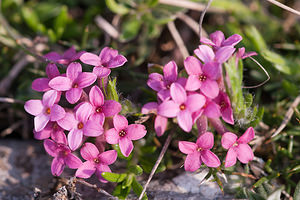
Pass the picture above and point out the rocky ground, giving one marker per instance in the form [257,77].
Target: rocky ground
[25,173]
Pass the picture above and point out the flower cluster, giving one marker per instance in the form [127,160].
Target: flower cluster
[73,108]
[198,98]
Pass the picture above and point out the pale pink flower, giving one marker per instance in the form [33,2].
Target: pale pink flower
[95,161]
[45,110]
[181,106]
[42,84]
[53,130]
[206,54]
[225,107]
[123,134]
[199,152]
[210,109]
[108,58]
[238,148]
[74,82]
[68,56]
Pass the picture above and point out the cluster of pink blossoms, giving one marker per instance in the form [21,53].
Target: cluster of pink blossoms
[73,108]
[198,98]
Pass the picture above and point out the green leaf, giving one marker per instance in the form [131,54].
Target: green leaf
[112,90]
[260,181]
[138,188]
[128,181]
[130,28]
[152,3]
[137,170]
[116,8]
[290,88]
[120,192]
[114,177]
[297,192]
[120,155]
[256,38]
[61,21]
[278,62]
[32,19]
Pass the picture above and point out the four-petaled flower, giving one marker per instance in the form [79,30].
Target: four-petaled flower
[206,54]
[68,56]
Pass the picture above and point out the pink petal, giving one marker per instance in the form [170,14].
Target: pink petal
[99,170]
[107,54]
[247,136]
[73,95]
[150,107]
[136,131]
[192,162]
[160,125]
[232,40]
[168,109]
[43,134]
[217,37]
[49,98]
[206,41]
[68,122]
[59,137]
[89,151]
[205,53]
[60,83]
[75,138]
[96,96]
[227,115]
[192,66]
[187,147]
[170,71]
[92,129]
[50,147]
[205,141]
[97,118]
[112,136]
[86,170]
[86,79]
[69,53]
[120,122]
[117,61]
[83,112]
[244,153]
[126,146]
[202,124]
[108,157]
[53,56]
[195,102]
[73,161]
[193,83]
[178,93]
[111,108]
[57,112]
[185,120]
[155,81]
[224,53]
[210,159]
[210,88]
[73,70]
[101,72]
[212,110]
[164,94]
[90,59]
[40,121]
[230,159]
[52,71]
[57,166]
[228,139]
[34,107]
[40,84]
[212,70]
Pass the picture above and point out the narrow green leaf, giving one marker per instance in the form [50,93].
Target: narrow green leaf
[116,8]
[138,188]
[112,90]
[61,21]
[260,181]
[297,192]
[114,177]
[128,181]
[137,170]
[32,19]
[256,38]
[120,192]
[130,28]
[277,60]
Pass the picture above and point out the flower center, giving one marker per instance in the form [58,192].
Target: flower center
[168,86]
[235,144]
[223,104]
[48,111]
[199,149]
[202,77]
[122,133]
[182,107]
[65,153]
[55,126]
[99,110]
[80,125]
[96,160]
[75,85]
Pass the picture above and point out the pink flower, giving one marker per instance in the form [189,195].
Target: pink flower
[44,110]
[225,107]
[42,84]
[108,58]
[74,82]
[217,40]
[241,54]
[79,125]
[238,148]
[203,77]
[62,156]
[199,152]
[69,56]
[181,106]
[96,162]
[123,134]
[206,54]
[53,130]
[160,123]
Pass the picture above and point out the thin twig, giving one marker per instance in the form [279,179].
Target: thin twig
[10,100]
[161,155]
[107,27]
[287,116]
[202,17]
[296,12]
[10,129]
[175,34]
[191,23]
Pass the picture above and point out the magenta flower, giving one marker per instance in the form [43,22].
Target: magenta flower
[238,148]
[225,107]
[206,54]
[42,84]
[123,134]
[203,77]
[160,123]
[217,40]
[44,110]
[79,125]
[62,156]
[69,56]
[181,106]
[74,82]
[53,130]
[108,58]
[95,161]
[199,152]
